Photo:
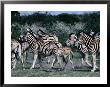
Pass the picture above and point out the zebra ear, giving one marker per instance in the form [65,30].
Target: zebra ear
[28,29]
[81,33]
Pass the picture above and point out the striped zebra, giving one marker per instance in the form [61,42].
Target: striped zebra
[47,37]
[24,48]
[72,41]
[92,45]
[65,53]
[18,49]
[15,53]
[85,52]
[39,46]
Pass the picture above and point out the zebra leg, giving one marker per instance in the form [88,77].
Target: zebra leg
[48,62]
[83,63]
[94,62]
[34,61]
[24,59]
[13,61]
[25,56]
[59,61]
[21,56]
[14,65]
[53,62]
[65,60]
[82,59]
[71,62]
[87,61]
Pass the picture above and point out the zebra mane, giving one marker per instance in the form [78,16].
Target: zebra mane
[36,36]
[41,31]
[82,33]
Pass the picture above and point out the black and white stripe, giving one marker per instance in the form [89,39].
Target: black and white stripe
[83,49]
[86,43]
[92,45]
[15,53]
[39,46]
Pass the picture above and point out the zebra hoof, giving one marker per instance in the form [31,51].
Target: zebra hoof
[73,67]
[93,70]
[62,69]
[48,62]
[52,67]
[12,68]
[23,68]
[31,67]
[97,67]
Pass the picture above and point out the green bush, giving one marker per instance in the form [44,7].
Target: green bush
[16,31]
[61,25]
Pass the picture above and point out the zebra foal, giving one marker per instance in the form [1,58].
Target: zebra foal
[66,53]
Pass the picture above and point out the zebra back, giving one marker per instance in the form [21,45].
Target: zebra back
[44,45]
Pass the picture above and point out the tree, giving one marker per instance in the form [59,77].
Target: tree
[92,22]
[16,31]
[68,18]
[15,16]
[15,13]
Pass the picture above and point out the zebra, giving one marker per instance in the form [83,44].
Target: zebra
[15,51]
[73,41]
[38,46]
[85,52]
[92,45]
[97,37]
[66,53]
[18,49]
[24,48]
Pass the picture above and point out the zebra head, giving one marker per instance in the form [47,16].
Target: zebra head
[97,37]
[72,39]
[81,37]
[30,33]
[22,39]
[77,43]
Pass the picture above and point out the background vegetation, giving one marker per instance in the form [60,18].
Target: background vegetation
[61,25]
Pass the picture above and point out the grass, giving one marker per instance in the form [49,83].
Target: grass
[45,71]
